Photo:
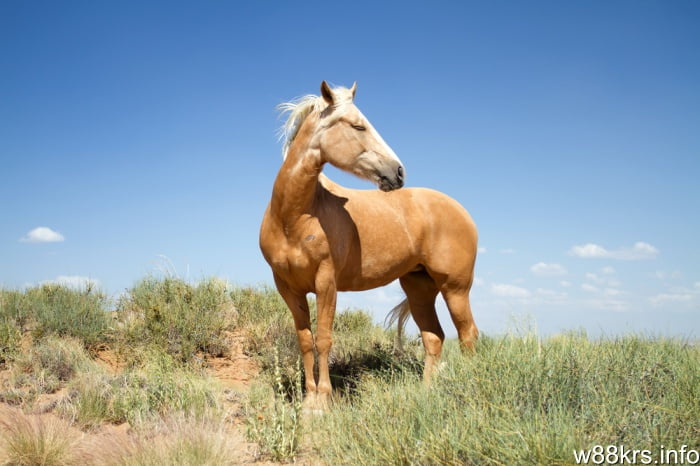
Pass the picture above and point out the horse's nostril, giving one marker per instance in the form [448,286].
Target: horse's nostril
[400,172]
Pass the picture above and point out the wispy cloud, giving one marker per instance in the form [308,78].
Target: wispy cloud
[74,281]
[542,269]
[639,251]
[589,288]
[665,298]
[507,251]
[616,305]
[42,235]
[509,291]
[603,280]
[551,294]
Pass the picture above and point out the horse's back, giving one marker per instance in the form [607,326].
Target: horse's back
[450,236]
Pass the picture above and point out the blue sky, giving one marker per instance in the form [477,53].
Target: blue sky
[570,131]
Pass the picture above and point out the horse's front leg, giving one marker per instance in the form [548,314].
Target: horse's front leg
[302,321]
[326,294]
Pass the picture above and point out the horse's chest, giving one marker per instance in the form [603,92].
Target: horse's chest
[294,261]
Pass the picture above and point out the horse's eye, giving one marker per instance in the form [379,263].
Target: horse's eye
[359,127]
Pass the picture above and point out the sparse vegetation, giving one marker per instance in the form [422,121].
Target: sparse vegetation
[274,416]
[158,388]
[53,309]
[520,399]
[181,318]
[28,442]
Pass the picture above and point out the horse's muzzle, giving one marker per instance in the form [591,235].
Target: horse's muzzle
[395,181]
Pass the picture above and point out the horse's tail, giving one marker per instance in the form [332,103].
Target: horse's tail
[398,315]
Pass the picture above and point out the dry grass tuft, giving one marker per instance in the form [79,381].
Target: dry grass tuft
[33,440]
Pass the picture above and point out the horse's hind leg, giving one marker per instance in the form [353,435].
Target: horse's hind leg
[421,291]
[457,299]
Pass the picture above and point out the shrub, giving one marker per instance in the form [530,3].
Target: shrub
[141,394]
[10,337]
[62,311]
[181,318]
[14,307]
[49,364]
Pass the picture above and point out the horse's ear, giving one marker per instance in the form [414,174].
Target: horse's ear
[353,89]
[327,93]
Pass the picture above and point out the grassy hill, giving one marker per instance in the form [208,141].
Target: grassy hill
[75,367]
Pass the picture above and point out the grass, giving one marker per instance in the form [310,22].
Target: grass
[65,312]
[274,421]
[523,400]
[160,387]
[520,399]
[179,317]
[27,441]
[185,443]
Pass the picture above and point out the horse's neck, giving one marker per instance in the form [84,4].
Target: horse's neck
[297,181]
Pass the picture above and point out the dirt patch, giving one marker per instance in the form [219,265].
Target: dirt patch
[110,361]
[238,370]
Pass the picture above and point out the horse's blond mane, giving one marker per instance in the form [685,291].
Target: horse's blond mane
[301,108]
[298,110]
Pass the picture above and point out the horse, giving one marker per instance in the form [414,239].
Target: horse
[320,237]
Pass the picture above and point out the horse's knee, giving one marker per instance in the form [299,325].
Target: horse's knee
[323,344]
[306,340]
[432,342]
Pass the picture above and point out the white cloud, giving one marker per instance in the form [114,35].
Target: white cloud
[588,251]
[478,281]
[607,270]
[42,235]
[664,275]
[548,270]
[507,251]
[589,288]
[551,294]
[74,281]
[664,298]
[481,250]
[609,304]
[640,251]
[612,292]
[509,291]
[565,284]
[611,282]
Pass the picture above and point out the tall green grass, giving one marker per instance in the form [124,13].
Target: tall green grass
[523,400]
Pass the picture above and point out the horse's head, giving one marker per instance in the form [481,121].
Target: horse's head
[348,140]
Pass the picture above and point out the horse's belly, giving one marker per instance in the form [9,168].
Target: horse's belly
[375,270]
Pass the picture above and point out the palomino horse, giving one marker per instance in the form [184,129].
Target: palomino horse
[320,237]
